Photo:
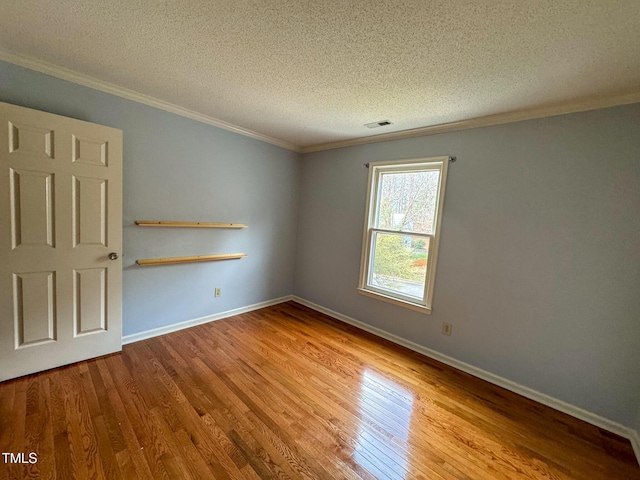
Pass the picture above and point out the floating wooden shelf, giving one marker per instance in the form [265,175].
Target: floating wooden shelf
[198,258]
[158,223]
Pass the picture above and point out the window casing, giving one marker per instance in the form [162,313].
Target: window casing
[402,231]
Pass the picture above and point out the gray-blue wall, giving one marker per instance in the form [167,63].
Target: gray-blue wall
[179,169]
[539,268]
[539,264]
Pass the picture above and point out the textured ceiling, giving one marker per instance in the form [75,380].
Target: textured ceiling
[312,72]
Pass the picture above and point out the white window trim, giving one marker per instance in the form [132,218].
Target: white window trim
[442,164]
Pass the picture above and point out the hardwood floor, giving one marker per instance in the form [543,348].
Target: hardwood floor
[286,392]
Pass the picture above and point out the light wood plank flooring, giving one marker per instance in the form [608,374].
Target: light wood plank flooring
[286,392]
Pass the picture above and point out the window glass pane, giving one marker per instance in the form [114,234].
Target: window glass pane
[399,263]
[407,201]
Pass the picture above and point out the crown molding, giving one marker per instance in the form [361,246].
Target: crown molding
[97,84]
[591,103]
[574,106]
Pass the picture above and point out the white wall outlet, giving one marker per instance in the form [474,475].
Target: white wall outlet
[446,328]
[218,292]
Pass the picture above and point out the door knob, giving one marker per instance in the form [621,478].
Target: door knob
[113,256]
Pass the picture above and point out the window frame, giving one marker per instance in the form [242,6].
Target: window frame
[376,169]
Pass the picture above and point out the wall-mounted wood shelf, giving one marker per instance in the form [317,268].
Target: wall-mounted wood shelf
[198,258]
[159,223]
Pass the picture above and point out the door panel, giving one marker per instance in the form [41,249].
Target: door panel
[89,211]
[34,307]
[90,304]
[60,217]
[30,140]
[32,216]
[90,151]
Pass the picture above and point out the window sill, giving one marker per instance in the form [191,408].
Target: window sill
[401,303]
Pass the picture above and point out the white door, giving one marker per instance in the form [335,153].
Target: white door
[60,219]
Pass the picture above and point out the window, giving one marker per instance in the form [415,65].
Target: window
[402,231]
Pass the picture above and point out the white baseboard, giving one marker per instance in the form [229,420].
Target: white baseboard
[564,407]
[136,337]
[635,443]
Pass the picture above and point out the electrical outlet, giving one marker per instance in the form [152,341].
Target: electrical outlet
[446,328]
[218,292]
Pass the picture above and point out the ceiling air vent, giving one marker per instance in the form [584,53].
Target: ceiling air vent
[381,123]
